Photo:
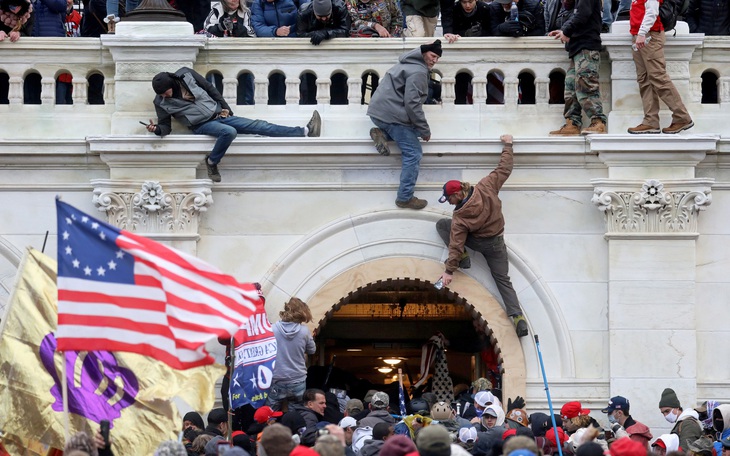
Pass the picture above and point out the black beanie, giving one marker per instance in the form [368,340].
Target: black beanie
[669,399]
[162,82]
[434,47]
[196,419]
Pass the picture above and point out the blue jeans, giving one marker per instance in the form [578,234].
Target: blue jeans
[280,391]
[411,153]
[64,93]
[112,6]
[226,130]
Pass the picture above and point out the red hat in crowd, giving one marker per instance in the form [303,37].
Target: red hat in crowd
[627,447]
[550,436]
[572,410]
[265,413]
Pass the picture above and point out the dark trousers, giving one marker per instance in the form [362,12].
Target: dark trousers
[495,252]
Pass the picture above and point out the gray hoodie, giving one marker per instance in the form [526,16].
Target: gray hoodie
[401,93]
[293,343]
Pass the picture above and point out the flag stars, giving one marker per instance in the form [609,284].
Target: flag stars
[68,250]
[102,236]
[85,219]
[94,225]
[100,271]
[69,221]
[65,235]
[112,265]
[120,254]
[76,263]
[87,271]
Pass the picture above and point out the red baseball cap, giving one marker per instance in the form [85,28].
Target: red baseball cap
[572,410]
[265,413]
[450,188]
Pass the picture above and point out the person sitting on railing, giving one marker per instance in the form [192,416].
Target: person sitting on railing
[16,19]
[383,17]
[531,18]
[275,17]
[471,18]
[197,104]
[229,18]
[321,20]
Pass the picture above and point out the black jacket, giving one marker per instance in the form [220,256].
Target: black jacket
[532,19]
[711,17]
[475,25]
[337,26]
[584,27]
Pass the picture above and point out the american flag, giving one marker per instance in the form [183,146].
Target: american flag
[401,394]
[121,292]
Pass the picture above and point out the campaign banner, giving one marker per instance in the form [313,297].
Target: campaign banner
[253,366]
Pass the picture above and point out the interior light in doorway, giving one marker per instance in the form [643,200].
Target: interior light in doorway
[392,361]
[385,370]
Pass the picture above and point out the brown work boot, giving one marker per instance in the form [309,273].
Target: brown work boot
[643,129]
[380,140]
[597,127]
[569,129]
[675,128]
[413,203]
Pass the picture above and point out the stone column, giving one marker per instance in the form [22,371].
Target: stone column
[652,201]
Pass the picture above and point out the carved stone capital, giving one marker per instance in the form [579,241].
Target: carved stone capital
[652,209]
[148,208]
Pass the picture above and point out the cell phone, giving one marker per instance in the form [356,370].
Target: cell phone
[145,124]
[223,445]
[104,429]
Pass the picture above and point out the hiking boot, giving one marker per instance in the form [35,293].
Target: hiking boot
[465,261]
[597,127]
[381,142]
[569,129]
[643,129]
[213,173]
[314,126]
[413,203]
[605,28]
[675,128]
[520,325]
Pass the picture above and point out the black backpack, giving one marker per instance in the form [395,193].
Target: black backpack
[670,10]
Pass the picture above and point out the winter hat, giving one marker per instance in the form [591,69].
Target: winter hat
[171,448]
[450,188]
[669,399]
[573,410]
[195,418]
[441,411]
[265,413]
[466,434]
[276,440]
[217,416]
[509,433]
[398,445]
[550,436]
[433,440]
[162,82]
[81,442]
[627,447]
[211,448]
[518,416]
[380,400]
[525,431]
[354,406]
[434,47]
[702,446]
[234,451]
[480,384]
[241,440]
[322,7]
[483,398]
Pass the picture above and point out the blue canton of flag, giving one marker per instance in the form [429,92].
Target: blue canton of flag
[401,394]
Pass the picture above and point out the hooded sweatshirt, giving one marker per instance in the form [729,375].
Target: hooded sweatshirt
[293,343]
[402,92]
[688,429]
[724,411]
[671,441]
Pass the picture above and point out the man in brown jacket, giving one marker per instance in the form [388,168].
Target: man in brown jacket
[478,223]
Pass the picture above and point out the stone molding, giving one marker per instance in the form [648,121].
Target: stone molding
[652,209]
[148,208]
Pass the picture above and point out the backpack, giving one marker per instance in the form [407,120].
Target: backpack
[670,10]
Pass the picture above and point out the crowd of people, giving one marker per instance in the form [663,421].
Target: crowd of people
[475,423]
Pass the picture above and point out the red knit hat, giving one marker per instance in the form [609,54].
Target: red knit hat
[627,447]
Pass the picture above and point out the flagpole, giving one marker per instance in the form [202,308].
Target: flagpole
[64,392]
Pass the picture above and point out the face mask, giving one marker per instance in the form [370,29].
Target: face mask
[671,417]
[612,419]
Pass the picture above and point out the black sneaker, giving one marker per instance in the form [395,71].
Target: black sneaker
[520,325]
[314,125]
[413,203]
[381,142]
[465,262]
[213,173]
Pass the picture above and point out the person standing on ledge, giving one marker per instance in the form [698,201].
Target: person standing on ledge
[478,223]
[396,109]
[197,104]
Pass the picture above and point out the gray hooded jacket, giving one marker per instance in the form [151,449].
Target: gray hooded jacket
[293,343]
[401,93]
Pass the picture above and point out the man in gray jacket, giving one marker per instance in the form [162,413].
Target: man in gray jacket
[396,109]
[197,104]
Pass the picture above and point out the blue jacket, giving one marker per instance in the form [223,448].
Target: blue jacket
[49,17]
[267,16]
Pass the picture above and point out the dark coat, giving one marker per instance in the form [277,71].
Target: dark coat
[49,17]
[337,26]
[584,27]
[92,22]
[475,25]
[532,9]
[430,8]
[711,17]
[27,28]
[267,16]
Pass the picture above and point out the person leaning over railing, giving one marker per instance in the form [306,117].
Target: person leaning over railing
[16,19]
[229,18]
[471,18]
[275,17]
[321,20]
[383,17]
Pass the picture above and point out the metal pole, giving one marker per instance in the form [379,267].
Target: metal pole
[550,402]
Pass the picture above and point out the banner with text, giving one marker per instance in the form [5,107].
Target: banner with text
[253,366]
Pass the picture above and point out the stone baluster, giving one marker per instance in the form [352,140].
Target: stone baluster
[448,93]
[695,90]
[723,89]
[511,91]
[48,90]
[15,90]
[230,90]
[479,90]
[81,90]
[354,91]
[261,90]
[292,91]
[323,90]
[542,90]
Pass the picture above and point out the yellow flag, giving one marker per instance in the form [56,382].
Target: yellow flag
[133,392]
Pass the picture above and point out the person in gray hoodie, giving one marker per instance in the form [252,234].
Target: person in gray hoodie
[396,109]
[293,343]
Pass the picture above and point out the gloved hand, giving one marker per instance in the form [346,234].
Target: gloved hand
[518,403]
[510,28]
[318,37]
[474,30]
